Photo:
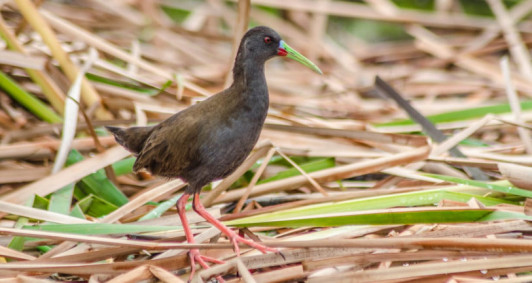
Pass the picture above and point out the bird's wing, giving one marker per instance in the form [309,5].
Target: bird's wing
[169,150]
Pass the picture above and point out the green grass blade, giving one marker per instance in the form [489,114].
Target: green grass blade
[95,206]
[505,215]
[308,167]
[17,243]
[124,166]
[44,249]
[98,184]
[122,84]
[161,208]
[40,202]
[100,228]
[380,217]
[34,105]
[77,212]
[459,115]
[176,14]
[61,200]
[508,189]
[428,197]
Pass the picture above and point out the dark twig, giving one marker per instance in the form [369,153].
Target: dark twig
[427,126]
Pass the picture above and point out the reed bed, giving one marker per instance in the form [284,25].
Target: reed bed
[407,161]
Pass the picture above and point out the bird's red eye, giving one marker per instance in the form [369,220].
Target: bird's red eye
[268,40]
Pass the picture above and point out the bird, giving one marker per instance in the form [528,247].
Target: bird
[209,140]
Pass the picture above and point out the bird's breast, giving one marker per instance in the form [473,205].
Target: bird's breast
[235,137]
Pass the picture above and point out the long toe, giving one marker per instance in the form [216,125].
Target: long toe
[196,257]
[235,239]
[231,235]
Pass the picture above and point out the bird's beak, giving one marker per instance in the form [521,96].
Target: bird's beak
[286,50]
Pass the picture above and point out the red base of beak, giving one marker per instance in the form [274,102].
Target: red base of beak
[281,52]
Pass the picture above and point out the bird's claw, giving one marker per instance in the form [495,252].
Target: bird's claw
[202,260]
[235,239]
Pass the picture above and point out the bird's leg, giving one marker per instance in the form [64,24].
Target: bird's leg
[193,254]
[232,235]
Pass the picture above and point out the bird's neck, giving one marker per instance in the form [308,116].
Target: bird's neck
[249,79]
[246,68]
[250,92]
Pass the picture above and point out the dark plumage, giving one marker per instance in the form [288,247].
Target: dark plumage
[209,140]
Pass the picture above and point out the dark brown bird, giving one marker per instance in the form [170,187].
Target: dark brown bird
[209,140]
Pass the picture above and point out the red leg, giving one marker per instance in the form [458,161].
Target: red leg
[194,254]
[233,237]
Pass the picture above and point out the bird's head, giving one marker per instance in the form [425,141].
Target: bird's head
[263,43]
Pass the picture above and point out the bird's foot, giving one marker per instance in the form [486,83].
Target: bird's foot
[235,239]
[202,260]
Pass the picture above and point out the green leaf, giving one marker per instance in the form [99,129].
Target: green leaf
[460,115]
[97,184]
[308,167]
[124,166]
[17,243]
[40,202]
[30,102]
[166,85]
[100,228]
[379,217]
[95,206]
[415,4]
[44,249]
[428,197]
[505,215]
[279,160]
[79,193]
[77,212]
[508,189]
[161,208]
[178,15]
[61,200]
[122,84]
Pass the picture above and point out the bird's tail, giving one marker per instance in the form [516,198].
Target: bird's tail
[132,138]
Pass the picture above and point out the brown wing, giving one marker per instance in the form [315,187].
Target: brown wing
[169,150]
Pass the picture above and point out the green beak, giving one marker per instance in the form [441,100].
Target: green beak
[286,50]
